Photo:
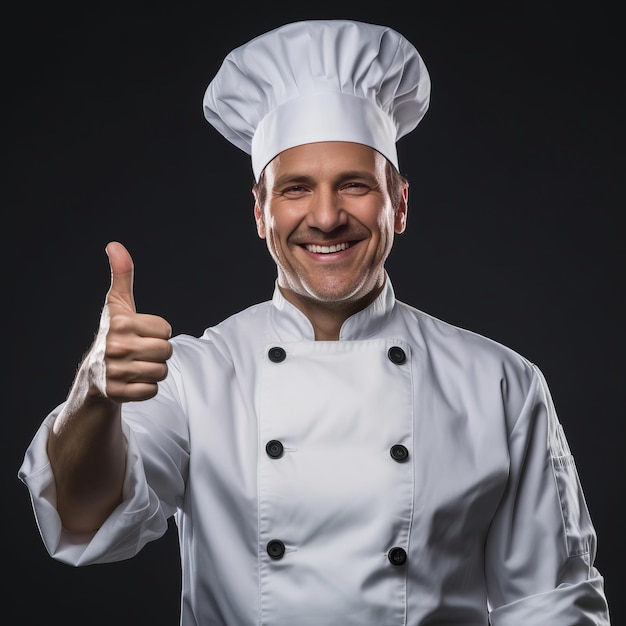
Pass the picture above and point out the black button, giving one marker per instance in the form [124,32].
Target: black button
[276,354]
[396,355]
[276,549]
[397,556]
[274,449]
[399,453]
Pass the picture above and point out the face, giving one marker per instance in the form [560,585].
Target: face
[329,223]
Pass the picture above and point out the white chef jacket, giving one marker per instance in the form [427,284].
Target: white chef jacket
[410,473]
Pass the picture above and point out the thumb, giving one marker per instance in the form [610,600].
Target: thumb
[122,272]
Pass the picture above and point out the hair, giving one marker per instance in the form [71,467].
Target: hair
[396,182]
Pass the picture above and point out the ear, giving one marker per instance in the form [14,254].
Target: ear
[258,218]
[400,214]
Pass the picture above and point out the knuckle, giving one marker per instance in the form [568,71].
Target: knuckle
[115,348]
[120,323]
[162,373]
[114,373]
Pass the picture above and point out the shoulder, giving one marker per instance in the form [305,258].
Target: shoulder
[218,341]
[465,350]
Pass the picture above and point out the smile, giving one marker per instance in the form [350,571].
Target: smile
[327,249]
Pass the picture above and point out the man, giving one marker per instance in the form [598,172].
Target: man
[332,456]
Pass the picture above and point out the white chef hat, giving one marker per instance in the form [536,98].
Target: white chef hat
[318,80]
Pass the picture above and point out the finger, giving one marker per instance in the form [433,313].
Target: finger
[134,348]
[122,275]
[141,325]
[135,372]
[153,326]
[135,383]
[134,392]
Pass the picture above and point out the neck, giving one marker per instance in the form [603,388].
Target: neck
[327,318]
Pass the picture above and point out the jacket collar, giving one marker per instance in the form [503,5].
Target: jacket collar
[291,324]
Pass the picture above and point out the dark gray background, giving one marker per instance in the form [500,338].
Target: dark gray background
[515,227]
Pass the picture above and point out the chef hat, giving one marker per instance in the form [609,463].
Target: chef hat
[318,80]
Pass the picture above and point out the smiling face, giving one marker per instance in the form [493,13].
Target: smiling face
[329,223]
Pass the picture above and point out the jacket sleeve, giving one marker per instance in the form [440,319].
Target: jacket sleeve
[138,519]
[541,546]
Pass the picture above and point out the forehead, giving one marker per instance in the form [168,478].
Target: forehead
[326,159]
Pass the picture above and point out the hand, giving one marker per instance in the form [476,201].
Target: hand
[131,350]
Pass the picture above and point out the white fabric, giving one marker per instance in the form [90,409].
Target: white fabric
[319,80]
[488,504]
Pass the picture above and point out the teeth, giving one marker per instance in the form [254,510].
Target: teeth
[327,249]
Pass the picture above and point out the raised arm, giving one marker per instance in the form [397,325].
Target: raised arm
[127,359]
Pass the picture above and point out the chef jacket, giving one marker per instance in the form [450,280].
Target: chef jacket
[410,473]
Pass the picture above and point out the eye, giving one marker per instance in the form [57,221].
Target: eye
[294,191]
[355,188]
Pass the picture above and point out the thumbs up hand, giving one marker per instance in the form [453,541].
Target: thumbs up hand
[130,353]
[125,363]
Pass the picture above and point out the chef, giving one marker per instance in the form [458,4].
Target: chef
[332,456]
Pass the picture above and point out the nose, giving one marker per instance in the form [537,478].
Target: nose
[325,211]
